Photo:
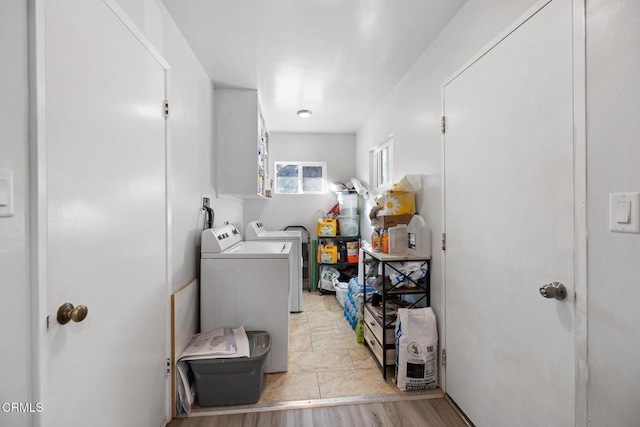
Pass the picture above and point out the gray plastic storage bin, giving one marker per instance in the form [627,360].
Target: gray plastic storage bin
[233,381]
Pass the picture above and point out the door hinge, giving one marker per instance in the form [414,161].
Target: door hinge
[444,241]
[444,357]
[442,124]
[168,366]
[166,109]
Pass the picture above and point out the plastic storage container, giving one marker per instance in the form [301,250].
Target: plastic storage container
[375,240]
[342,252]
[419,237]
[341,292]
[384,241]
[353,251]
[398,239]
[327,254]
[234,381]
[349,225]
[348,204]
[327,227]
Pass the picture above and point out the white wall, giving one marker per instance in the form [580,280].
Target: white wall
[303,209]
[15,314]
[192,138]
[411,112]
[613,166]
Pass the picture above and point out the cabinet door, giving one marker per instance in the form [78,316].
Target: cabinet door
[238,140]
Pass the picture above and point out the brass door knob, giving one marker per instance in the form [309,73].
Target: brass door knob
[67,312]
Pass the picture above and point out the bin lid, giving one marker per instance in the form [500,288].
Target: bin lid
[259,343]
[259,346]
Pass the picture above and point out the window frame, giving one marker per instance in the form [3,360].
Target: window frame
[376,171]
[301,165]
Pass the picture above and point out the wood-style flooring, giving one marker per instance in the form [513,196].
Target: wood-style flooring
[419,413]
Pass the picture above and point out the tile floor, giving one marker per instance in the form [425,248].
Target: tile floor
[325,360]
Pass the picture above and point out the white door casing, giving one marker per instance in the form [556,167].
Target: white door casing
[508,162]
[103,223]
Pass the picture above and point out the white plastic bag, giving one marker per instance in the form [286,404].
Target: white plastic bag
[408,183]
[342,289]
[328,278]
[406,272]
[416,349]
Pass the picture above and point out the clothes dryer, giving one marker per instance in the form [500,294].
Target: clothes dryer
[256,231]
[246,283]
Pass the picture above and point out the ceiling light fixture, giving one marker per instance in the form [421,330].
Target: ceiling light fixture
[304,113]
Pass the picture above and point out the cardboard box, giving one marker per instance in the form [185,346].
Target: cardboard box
[388,221]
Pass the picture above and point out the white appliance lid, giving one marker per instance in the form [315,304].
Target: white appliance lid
[261,247]
[255,249]
[256,230]
[287,235]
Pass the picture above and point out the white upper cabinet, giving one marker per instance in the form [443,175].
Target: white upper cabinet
[242,154]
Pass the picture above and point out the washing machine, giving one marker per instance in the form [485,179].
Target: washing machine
[246,283]
[256,231]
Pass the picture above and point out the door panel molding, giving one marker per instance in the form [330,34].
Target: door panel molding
[537,7]
[580,210]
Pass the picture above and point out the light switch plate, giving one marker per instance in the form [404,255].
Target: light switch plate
[6,193]
[618,219]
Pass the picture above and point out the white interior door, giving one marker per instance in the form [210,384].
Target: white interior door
[105,136]
[508,167]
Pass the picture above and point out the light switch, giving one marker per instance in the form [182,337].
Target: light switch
[6,193]
[624,212]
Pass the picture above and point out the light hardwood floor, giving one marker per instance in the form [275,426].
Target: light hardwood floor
[325,363]
[409,413]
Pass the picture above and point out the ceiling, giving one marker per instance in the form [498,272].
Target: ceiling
[338,58]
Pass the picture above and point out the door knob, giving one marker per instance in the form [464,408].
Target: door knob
[554,290]
[67,312]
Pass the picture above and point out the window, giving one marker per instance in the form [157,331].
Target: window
[381,164]
[301,177]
